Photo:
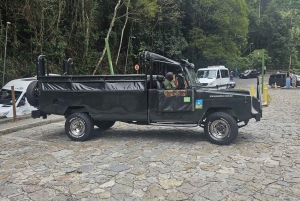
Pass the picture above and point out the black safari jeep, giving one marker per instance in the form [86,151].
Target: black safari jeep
[102,100]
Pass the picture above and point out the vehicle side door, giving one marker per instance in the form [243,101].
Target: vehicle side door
[218,79]
[225,77]
[170,105]
[280,80]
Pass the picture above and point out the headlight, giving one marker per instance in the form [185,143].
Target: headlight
[210,83]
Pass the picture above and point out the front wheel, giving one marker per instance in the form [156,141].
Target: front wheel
[104,125]
[221,128]
[79,126]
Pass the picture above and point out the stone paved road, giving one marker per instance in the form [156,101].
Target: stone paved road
[157,163]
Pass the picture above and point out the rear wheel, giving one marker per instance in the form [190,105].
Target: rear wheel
[30,93]
[221,128]
[79,126]
[104,125]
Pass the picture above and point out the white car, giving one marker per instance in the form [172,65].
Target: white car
[22,106]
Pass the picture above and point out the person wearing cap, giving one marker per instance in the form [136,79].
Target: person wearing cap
[168,81]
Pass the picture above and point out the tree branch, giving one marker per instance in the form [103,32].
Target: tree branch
[124,26]
[107,36]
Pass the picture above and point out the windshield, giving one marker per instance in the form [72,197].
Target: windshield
[206,74]
[193,77]
[6,98]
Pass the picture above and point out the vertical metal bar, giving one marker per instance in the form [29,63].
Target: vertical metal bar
[40,66]
[109,57]
[13,103]
[151,77]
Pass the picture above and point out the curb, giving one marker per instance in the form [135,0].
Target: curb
[11,119]
[29,125]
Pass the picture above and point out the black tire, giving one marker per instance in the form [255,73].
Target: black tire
[273,85]
[79,126]
[104,125]
[221,128]
[30,93]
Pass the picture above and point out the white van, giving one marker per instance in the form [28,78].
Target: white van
[214,76]
[22,106]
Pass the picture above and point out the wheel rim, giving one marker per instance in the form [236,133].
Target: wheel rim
[77,127]
[219,129]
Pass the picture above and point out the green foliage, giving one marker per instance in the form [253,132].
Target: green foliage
[217,30]
[206,32]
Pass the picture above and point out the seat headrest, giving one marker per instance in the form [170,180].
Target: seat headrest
[160,78]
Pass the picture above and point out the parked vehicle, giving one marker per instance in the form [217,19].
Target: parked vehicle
[298,80]
[249,74]
[102,100]
[280,80]
[215,76]
[22,106]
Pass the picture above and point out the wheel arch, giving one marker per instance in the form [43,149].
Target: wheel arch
[75,109]
[212,110]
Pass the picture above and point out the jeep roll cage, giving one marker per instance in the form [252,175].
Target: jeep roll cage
[155,64]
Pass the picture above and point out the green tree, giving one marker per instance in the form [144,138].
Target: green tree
[217,30]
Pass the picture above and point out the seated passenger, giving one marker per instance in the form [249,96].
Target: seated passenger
[180,81]
[168,84]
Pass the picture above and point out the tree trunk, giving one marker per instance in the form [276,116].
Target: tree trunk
[121,39]
[87,36]
[107,36]
[290,63]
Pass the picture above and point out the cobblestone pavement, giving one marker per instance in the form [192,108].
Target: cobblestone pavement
[156,163]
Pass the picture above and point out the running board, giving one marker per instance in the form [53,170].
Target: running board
[174,125]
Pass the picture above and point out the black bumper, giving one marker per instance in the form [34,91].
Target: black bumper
[38,113]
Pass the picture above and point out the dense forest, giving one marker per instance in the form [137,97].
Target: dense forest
[206,32]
